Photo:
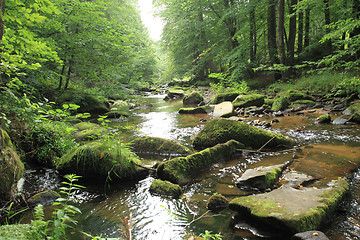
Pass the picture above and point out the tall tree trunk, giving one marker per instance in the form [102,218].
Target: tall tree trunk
[71,62]
[2,9]
[253,37]
[271,31]
[280,30]
[307,28]
[62,75]
[292,33]
[327,22]
[300,31]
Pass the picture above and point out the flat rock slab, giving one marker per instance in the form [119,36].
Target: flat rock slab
[295,179]
[290,209]
[223,109]
[262,177]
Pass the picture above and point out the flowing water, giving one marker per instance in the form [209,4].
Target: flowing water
[160,218]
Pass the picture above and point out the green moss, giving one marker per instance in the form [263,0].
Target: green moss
[280,103]
[181,170]
[294,95]
[100,159]
[217,202]
[272,177]
[223,130]
[11,167]
[222,97]
[355,117]
[269,101]
[196,110]
[157,145]
[325,118]
[44,198]
[90,134]
[174,93]
[354,107]
[85,125]
[193,98]
[33,231]
[243,101]
[165,188]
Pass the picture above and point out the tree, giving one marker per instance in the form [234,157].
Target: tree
[271,31]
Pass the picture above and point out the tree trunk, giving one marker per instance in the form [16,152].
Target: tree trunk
[292,33]
[300,31]
[307,28]
[253,37]
[62,75]
[280,30]
[69,73]
[2,9]
[328,44]
[271,31]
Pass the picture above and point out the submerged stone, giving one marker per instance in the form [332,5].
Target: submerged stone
[217,202]
[243,101]
[160,146]
[193,98]
[101,160]
[262,177]
[165,188]
[310,235]
[224,109]
[293,210]
[11,167]
[223,130]
[181,170]
[196,110]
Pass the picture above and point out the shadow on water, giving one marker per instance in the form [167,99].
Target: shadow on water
[160,218]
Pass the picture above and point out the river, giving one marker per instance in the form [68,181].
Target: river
[156,218]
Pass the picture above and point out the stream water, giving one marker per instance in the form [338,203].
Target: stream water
[160,218]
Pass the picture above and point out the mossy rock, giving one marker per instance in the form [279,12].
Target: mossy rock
[11,167]
[269,101]
[243,101]
[165,188]
[90,134]
[85,125]
[181,170]
[325,118]
[280,103]
[295,95]
[161,146]
[222,130]
[119,109]
[174,94]
[44,198]
[88,103]
[196,110]
[101,159]
[32,231]
[222,97]
[293,210]
[355,117]
[354,107]
[194,98]
[217,202]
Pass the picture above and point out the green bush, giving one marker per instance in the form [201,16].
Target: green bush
[45,142]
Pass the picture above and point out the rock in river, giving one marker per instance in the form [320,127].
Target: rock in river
[293,210]
[223,130]
[165,188]
[224,109]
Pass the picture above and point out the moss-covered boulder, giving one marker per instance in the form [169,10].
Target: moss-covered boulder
[222,130]
[174,94]
[279,104]
[89,134]
[32,231]
[325,118]
[355,117]
[224,109]
[261,178]
[181,170]
[196,110]
[293,210]
[119,108]
[88,103]
[165,188]
[44,198]
[160,146]
[11,167]
[243,101]
[85,125]
[295,95]
[217,202]
[222,97]
[100,160]
[194,98]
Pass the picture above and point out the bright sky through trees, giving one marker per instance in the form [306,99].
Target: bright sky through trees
[152,22]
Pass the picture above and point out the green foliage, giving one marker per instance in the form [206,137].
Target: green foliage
[208,235]
[226,85]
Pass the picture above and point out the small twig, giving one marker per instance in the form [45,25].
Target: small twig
[147,168]
[196,219]
[266,144]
